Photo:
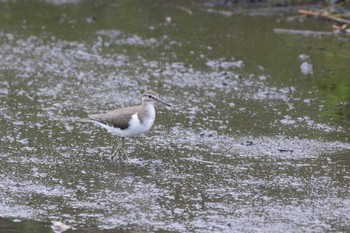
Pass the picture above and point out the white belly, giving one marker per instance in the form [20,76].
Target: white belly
[135,126]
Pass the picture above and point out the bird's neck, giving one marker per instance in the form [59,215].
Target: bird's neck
[147,111]
[146,104]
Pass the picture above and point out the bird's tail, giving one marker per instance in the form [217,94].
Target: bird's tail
[85,120]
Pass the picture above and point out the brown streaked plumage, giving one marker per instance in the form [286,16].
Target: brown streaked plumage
[118,118]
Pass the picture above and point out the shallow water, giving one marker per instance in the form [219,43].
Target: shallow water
[251,142]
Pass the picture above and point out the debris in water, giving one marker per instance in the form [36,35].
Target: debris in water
[59,227]
[306,68]
[304,57]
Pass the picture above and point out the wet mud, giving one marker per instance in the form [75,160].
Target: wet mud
[250,143]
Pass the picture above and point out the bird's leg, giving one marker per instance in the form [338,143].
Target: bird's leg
[119,146]
[123,151]
[120,149]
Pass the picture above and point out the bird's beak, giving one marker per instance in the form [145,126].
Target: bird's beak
[162,102]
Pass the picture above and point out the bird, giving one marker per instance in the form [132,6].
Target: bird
[129,121]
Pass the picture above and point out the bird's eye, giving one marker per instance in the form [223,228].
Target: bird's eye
[150,96]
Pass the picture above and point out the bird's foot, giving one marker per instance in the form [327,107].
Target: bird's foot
[119,153]
[123,151]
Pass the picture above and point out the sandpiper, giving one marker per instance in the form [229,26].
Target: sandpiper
[129,121]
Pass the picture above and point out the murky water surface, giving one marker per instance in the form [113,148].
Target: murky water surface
[256,140]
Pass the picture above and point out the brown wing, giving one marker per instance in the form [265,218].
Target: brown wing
[118,118]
